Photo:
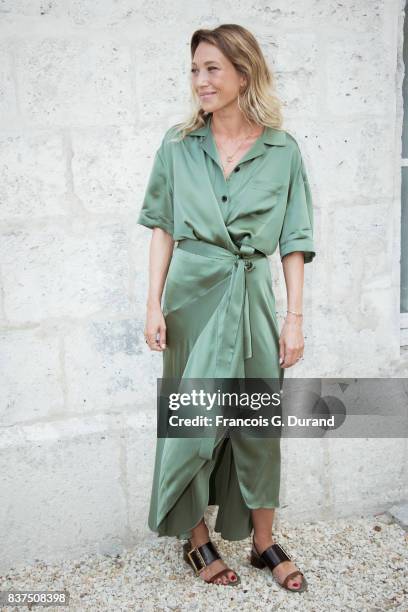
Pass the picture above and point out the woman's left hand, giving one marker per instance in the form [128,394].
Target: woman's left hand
[291,342]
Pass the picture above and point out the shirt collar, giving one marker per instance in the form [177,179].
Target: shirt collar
[271,136]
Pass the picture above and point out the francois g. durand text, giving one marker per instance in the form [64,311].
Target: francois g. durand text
[260,421]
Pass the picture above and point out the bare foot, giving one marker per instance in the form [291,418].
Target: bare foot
[214,567]
[284,568]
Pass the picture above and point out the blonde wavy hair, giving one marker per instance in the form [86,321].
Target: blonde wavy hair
[258,101]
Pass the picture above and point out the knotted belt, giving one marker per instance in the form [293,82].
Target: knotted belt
[237,301]
[234,305]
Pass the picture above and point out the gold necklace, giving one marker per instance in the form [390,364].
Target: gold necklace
[231,156]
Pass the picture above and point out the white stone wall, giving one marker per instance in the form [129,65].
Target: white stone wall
[86,91]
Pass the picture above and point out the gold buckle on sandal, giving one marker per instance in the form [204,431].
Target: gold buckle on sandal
[197,571]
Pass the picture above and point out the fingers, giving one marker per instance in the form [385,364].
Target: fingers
[289,356]
[151,342]
[156,341]
[162,336]
[155,330]
[281,352]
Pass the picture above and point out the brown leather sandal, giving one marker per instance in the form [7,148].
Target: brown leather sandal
[271,557]
[201,556]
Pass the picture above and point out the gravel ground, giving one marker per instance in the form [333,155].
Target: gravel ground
[350,564]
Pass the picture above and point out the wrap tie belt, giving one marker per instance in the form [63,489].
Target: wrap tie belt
[233,306]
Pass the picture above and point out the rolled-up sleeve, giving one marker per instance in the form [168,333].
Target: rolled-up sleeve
[297,229]
[157,205]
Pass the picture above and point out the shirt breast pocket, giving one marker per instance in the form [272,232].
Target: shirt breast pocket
[270,187]
[265,194]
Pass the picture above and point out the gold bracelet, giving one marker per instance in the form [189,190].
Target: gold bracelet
[298,314]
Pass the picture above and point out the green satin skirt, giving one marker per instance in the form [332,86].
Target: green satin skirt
[219,309]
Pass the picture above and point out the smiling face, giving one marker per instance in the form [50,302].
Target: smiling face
[214,78]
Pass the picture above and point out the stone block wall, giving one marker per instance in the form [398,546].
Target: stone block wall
[87,90]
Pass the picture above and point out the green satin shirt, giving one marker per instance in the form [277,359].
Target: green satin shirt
[265,201]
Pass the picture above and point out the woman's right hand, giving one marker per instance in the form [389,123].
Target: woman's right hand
[155,329]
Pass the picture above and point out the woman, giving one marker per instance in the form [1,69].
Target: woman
[228,185]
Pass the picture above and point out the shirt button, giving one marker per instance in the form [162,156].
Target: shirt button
[224,198]
[237,169]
